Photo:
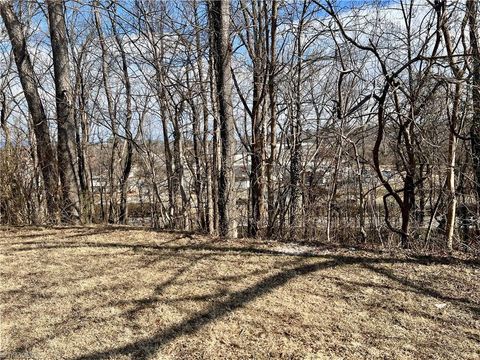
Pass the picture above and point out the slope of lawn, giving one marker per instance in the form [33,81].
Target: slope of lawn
[126,293]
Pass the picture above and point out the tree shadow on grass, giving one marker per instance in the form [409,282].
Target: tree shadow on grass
[227,302]
[153,299]
[146,348]
[118,229]
[82,231]
[421,289]
[30,236]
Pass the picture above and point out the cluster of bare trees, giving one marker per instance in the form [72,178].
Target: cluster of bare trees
[305,119]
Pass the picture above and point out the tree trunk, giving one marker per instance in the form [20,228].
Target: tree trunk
[45,151]
[255,41]
[180,199]
[452,153]
[128,158]
[109,216]
[66,149]
[82,139]
[273,120]
[220,11]
[161,93]
[208,207]
[472,9]
[295,136]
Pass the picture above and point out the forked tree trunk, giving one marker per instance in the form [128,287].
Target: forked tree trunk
[128,157]
[257,48]
[109,215]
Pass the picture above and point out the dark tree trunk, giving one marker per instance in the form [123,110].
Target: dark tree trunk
[273,120]
[472,9]
[295,136]
[82,139]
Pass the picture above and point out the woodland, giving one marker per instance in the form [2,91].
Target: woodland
[239,179]
[334,121]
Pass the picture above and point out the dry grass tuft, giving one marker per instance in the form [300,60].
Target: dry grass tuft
[124,293]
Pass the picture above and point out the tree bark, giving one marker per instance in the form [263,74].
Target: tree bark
[66,149]
[472,9]
[82,139]
[220,11]
[295,135]
[273,119]
[45,151]
[258,55]
[208,207]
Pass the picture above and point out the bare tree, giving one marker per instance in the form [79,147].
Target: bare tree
[66,145]
[335,113]
[44,148]
[472,12]
[220,27]
[128,153]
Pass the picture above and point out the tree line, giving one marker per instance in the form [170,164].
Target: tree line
[306,119]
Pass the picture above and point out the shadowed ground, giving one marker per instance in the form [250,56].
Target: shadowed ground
[126,293]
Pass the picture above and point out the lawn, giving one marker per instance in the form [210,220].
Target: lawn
[126,293]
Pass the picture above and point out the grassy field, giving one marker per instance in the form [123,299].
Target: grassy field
[125,293]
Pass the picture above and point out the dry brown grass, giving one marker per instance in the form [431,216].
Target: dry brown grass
[123,293]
